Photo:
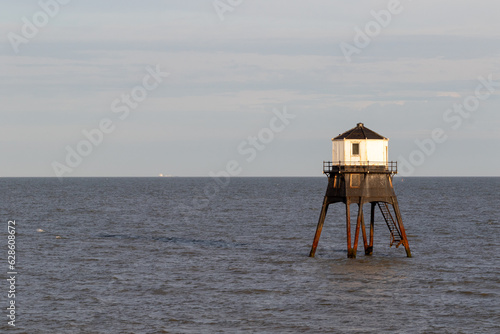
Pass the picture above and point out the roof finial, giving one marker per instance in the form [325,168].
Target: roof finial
[360,125]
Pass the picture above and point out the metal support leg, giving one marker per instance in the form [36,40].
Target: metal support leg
[369,250]
[363,230]
[401,226]
[348,227]
[319,228]
[356,234]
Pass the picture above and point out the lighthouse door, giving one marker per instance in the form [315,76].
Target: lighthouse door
[355,153]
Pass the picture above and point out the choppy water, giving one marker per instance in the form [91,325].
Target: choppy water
[134,257]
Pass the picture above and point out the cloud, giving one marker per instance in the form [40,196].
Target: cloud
[450,94]
[225,76]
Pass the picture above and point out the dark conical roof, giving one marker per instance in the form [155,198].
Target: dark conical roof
[360,132]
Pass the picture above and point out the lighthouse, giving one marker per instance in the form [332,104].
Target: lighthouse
[360,173]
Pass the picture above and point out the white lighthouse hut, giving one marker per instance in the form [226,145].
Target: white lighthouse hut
[360,146]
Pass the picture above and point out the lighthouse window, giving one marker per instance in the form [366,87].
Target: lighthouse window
[355,180]
[355,149]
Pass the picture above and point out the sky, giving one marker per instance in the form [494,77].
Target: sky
[245,87]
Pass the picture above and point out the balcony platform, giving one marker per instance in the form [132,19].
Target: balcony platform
[335,167]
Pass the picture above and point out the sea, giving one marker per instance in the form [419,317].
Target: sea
[230,255]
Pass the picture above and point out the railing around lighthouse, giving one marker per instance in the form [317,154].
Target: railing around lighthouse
[360,167]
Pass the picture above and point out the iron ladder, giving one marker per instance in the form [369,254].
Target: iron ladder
[396,237]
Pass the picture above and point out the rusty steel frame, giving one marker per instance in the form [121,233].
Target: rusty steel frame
[352,185]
